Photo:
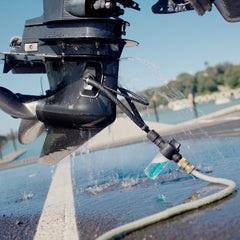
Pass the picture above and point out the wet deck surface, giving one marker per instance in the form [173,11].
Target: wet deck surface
[107,195]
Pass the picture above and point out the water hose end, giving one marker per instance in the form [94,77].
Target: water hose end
[185,165]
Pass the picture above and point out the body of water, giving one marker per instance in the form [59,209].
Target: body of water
[174,117]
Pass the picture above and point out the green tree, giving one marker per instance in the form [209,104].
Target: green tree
[201,83]
[232,77]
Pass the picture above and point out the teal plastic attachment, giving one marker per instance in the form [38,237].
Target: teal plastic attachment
[156,166]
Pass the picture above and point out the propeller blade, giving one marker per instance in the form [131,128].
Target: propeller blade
[30,130]
[12,105]
[60,142]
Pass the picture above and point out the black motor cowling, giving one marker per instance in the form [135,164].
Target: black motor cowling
[74,103]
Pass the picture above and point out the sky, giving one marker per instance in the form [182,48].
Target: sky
[168,45]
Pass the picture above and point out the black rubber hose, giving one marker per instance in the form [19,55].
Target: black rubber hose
[139,122]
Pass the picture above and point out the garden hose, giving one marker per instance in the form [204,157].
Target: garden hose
[176,210]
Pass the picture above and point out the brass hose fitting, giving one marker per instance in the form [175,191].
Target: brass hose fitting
[185,165]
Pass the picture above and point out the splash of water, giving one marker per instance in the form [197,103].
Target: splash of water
[111,184]
[149,64]
[130,182]
[96,186]
[27,196]
[143,75]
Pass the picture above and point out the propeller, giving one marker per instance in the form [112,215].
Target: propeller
[60,141]
[11,104]
[29,130]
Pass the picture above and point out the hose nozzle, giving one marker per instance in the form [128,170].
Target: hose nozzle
[170,149]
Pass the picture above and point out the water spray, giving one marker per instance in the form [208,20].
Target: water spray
[168,150]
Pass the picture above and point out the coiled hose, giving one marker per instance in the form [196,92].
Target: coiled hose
[170,212]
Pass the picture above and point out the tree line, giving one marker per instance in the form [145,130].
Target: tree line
[201,83]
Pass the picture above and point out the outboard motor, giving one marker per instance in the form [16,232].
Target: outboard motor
[72,41]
